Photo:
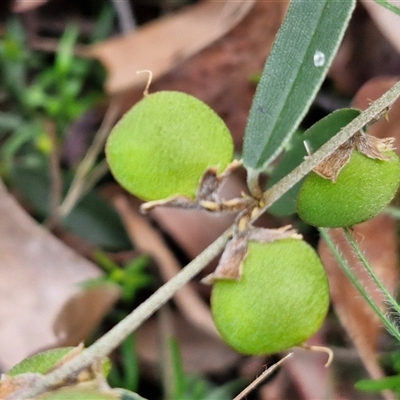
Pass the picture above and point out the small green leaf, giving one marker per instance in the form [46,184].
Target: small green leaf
[377,385]
[303,51]
[314,138]
[65,51]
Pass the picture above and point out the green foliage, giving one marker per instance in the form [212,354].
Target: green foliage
[387,383]
[126,377]
[302,53]
[57,91]
[131,278]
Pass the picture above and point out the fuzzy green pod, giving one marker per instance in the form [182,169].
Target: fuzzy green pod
[280,301]
[364,187]
[40,363]
[165,143]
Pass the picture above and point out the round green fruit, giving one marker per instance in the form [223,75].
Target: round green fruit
[363,188]
[165,143]
[280,301]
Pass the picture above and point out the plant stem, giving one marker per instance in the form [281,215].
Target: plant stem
[114,337]
[388,297]
[353,279]
[78,184]
[119,332]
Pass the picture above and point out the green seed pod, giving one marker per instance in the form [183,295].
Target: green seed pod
[73,393]
[40,363]
[165,143]
[280,301]
[363,188]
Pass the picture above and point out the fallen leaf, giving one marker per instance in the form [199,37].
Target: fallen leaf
[149,240]
[365,53]
[200,353]
[386,20]
[21,6]
[389,124]
[160,45]
[83,312]
[194,230]
[38,274]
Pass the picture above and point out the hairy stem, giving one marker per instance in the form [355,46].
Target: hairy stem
[357,284]
[387,295]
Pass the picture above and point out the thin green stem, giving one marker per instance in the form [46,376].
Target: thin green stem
[388,296]
[357,284]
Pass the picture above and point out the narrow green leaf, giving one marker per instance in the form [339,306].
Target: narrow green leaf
[303,51]
[377,385]
[389,6]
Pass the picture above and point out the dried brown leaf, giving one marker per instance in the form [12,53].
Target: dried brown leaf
[21,6]
[386,20]
[160,45]
[83,312]
[200,353]
[333,164]
[148,240]
[389,124]
[38,274]
[231,262]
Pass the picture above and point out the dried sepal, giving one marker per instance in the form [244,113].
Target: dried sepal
[264,235]
[232,206]
[331,166]
[230,265]
[207,195]
[373,147]
[231,262]
[174,201]
[212,181]
[10,386]
[368,145]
